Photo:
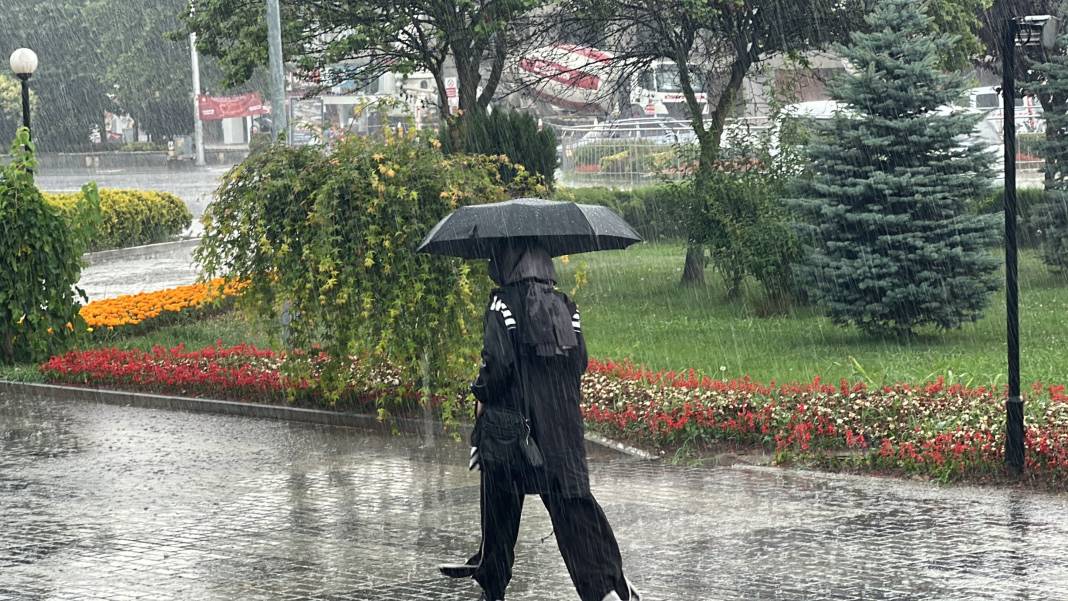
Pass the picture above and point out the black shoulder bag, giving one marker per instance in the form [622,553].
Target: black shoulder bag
[527,445]
[505,437]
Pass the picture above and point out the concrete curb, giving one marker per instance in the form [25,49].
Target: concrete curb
[136,252]
[263,411]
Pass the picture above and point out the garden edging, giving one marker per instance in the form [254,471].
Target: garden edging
[262,411]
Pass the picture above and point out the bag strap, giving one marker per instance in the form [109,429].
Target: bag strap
[513,336]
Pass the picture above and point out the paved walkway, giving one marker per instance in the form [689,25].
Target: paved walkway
[104,502]
[145,269]
[142,272]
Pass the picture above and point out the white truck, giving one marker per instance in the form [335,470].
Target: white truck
[569,77]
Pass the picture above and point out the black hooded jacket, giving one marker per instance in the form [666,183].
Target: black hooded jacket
[551,381]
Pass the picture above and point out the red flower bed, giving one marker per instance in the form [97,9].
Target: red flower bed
[935,429]
[240,373]
[940,430]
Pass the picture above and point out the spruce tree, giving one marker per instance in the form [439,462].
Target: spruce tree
[1051,218]
[893,246]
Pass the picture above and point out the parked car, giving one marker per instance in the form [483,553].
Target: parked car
[654,130]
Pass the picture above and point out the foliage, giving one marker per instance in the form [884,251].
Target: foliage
[511,133]
[11,104]
[70,72]
[893,246]
[105,55]
[359,40]
[1029,202]
[656,212]
[41,255]
[334,235]
[129,217]
[959,21]
[1051,217]
[747,231]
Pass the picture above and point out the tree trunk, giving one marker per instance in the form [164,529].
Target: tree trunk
[693,273]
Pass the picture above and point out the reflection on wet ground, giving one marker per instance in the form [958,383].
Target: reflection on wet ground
[104,502]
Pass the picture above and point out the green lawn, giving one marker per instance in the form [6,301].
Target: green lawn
[633,308]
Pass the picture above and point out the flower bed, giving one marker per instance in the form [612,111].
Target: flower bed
[935,430]
[135,313]
[238,373]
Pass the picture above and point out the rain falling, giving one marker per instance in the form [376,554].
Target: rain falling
[533,300]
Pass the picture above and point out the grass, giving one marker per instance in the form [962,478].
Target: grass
[231,328]
[633,308]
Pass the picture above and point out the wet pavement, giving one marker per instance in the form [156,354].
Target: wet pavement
[106,502]
[162,267]
[147,269]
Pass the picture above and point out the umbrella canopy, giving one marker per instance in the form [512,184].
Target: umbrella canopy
[563,228]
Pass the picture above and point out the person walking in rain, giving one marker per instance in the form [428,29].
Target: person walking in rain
[529,433]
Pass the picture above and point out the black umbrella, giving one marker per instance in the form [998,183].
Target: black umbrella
[563,228]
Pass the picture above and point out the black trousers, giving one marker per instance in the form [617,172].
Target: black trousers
[583,534]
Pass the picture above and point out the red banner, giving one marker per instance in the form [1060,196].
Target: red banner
[214,108]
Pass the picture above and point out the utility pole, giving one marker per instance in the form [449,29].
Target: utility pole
[198,125]
[279,115]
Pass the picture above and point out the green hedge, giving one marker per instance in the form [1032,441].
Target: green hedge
[1028,202]
[131,217]
[657,212]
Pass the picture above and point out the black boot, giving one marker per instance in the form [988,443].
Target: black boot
[462,570]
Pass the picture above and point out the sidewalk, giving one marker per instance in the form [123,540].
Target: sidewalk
[142,269]
[106,502]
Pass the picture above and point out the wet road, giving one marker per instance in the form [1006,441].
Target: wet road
[104,502]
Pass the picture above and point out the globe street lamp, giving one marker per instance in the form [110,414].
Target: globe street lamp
[24,63]
[1025,32]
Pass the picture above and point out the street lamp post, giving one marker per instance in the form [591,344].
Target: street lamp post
[277,68]
[1025,32]
[24,63]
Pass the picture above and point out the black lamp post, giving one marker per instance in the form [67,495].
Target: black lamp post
[1025,32]
[24,63]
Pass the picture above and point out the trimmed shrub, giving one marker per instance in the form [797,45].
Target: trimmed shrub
[655,211]
[40,262]
[513,134]
[130,217]
[1029,202]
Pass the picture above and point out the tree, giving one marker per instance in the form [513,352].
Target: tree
[92,62]
[719,42]
[359,40]
[147,75]
[516,135]
[69,80]
[893,244]
[1051,218]
[11,104]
